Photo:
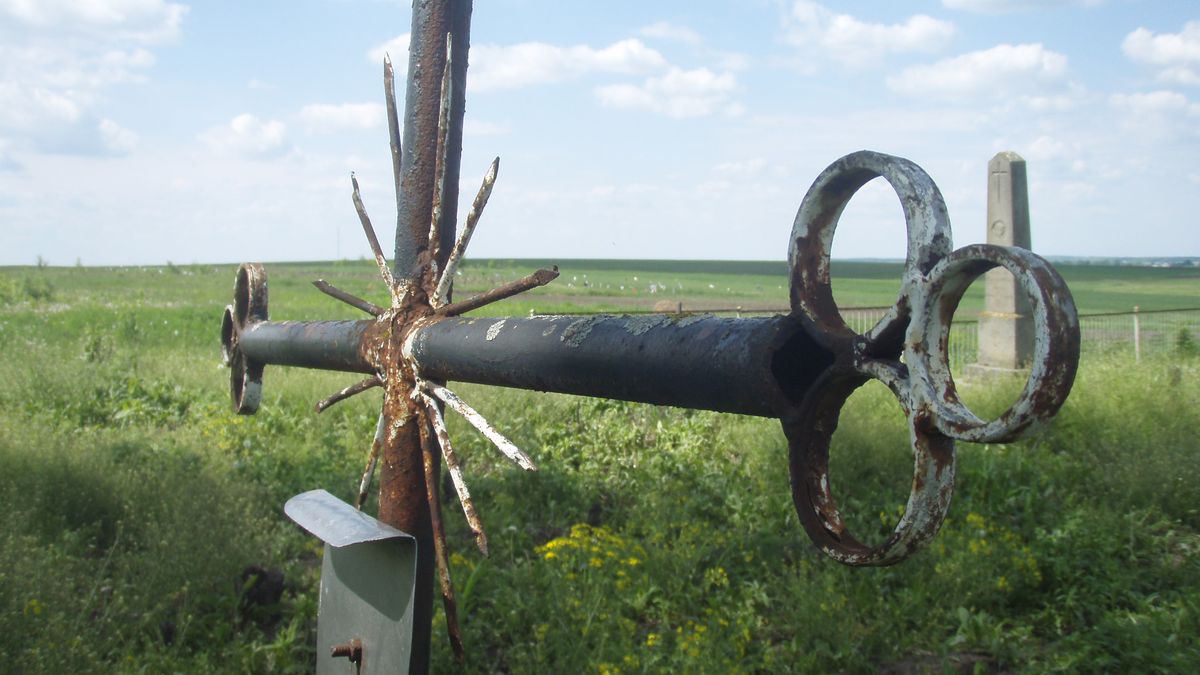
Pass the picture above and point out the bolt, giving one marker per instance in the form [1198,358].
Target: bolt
[352,650]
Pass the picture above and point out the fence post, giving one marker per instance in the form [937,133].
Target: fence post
[1137,336]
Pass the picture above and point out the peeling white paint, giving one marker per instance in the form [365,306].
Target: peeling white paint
[577,331]
[637,325]
[494,330]
[471,415]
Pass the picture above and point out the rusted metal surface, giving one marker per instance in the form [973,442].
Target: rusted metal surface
[907,351]
[432,20]
[389,98]
[249,308]
[404,498]
[538,278]
[352,650]
[442,294]
[395,289]
[432,468]
[437,251]
[1056,332]
[505,446]
[356,302]
[353,390]
[456,475]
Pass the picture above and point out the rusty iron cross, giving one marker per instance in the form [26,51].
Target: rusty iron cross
[799,368]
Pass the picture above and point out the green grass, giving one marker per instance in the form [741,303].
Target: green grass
[584,285]
[651,540]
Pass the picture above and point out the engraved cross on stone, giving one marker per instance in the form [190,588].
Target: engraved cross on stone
[1006,324]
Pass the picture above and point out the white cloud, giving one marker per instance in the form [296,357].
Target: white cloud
[667,90]
[669,31]
[24,107]
[748,168]
[531,63]
[58,59]
[248,136]
[820,31]
[1078,191]
[142,21]
[117,139]
[331,118]
[1064,100]
[7,161]
[999,6]
[1177,55]
[1047,148]
[732,60]
[397,48]
[678,93]
[1004,70]
[1155,103]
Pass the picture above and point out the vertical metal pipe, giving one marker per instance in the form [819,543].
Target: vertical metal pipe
[402,495]
[432,19]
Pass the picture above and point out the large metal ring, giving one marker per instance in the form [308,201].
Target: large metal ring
[929,240]
[858,358]
[809,430]
[249,307]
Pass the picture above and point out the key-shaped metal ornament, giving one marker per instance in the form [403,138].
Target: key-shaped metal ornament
[799,368]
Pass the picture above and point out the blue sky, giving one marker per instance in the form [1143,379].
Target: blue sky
[141,131]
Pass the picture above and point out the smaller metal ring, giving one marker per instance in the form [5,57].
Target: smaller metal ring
[1056,345]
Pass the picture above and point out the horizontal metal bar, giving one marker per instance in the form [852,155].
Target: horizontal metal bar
[328,345]
[753,366]
[748,366]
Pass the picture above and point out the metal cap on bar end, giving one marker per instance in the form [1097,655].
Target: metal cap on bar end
[249,307]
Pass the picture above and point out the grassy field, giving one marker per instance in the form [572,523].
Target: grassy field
[138,512]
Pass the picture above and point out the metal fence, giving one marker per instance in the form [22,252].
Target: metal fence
[1136,334]
[1142,334]
[964,333]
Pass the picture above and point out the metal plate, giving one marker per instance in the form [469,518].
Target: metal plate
[335,522]
[367,585]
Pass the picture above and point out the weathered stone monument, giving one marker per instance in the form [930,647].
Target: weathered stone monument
[1006,324]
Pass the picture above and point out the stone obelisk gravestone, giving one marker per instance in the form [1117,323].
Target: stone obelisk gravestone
[1006,324]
